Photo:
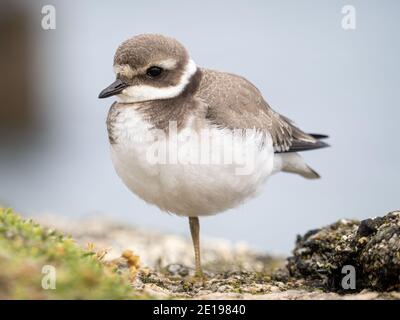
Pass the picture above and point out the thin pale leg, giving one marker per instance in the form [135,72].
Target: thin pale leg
[195,231]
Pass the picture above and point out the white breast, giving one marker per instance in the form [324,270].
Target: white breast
[187,183]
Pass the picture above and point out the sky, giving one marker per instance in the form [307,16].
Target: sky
[329,80]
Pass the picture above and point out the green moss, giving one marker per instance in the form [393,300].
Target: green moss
[26,248]
[187,286]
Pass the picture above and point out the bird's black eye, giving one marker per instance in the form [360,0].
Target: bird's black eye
[154,71]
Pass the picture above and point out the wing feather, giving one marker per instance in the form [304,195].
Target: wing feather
[244,107]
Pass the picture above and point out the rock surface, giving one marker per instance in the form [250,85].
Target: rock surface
[371,246]
[237,272]
[159,250]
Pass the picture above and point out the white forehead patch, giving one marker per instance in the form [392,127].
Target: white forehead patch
[142,93]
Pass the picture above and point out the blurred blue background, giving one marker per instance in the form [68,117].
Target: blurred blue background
[329,80]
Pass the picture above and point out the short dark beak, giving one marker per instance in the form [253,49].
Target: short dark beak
[116,87]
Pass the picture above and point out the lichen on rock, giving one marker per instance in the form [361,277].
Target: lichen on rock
[235,271]
[371,246]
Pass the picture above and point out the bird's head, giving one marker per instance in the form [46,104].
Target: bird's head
[150,67]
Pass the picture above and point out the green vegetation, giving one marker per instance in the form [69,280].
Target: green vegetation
[26,247]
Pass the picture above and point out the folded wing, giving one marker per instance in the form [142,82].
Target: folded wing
[244,107]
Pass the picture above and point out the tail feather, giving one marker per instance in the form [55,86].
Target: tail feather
[294,163]
[309,173]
